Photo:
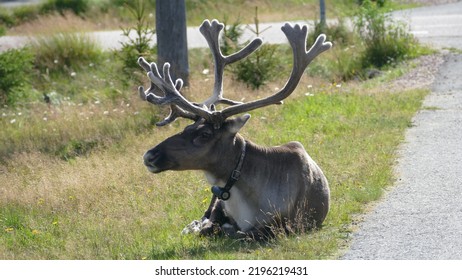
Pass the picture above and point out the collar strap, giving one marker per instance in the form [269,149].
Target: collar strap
[223,193]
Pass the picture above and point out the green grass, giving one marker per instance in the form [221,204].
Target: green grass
[105,205]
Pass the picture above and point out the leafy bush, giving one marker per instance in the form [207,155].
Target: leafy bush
[385,41]
[64,51]
[6,18]
[79,7]
[15,69]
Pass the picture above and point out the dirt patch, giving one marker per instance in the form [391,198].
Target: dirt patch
[422,75]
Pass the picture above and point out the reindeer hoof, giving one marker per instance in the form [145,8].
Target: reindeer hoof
[194,227]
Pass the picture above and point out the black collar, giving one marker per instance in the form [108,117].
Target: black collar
[223,193]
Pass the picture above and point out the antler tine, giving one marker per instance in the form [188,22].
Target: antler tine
[176,111]
[179,106]
[301,58]
[211,32]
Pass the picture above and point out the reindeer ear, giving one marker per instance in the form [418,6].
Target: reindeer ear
[234,125]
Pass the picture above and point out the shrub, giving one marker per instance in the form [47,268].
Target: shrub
[79,7]
[6,18]
[385,41]
[15,68]
[258,68]
[230,39]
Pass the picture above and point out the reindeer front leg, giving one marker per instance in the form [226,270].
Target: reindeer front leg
[214,218]
[213,221]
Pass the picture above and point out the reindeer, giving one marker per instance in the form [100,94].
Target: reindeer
[254,188]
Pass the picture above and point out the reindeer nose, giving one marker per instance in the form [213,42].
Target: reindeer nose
[150,157]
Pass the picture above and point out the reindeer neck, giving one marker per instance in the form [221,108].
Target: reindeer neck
[229,162]
[219,172]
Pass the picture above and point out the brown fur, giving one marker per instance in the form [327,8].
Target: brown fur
[279,185]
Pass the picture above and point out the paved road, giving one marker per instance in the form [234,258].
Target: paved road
[439,26]
[421,217]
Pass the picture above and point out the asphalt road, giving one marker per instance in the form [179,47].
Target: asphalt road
[420,218]
[439,26]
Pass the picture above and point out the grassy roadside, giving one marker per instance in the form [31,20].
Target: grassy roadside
[105,205]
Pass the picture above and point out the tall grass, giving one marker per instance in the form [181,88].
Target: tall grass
[63,51]
[105,205]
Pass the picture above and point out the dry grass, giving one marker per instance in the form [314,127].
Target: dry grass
[107,205]
[51,24]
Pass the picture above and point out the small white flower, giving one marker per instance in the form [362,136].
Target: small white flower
[19,114]
[97,102]
[45,118]
[106,112]
[205,71]
[339,85]
[13,121]
[136,113]
[56,61]
[73,74]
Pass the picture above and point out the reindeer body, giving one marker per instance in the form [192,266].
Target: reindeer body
[277,185]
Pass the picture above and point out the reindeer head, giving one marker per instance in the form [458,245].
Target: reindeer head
[212,136]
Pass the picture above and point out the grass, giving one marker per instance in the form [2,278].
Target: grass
[106,205]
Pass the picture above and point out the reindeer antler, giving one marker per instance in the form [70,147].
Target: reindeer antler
[163,91]
[211,32]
